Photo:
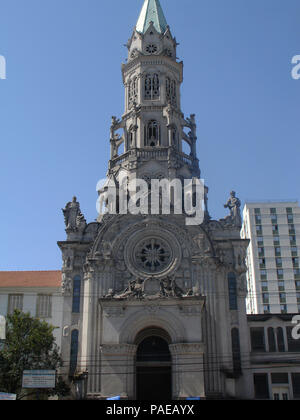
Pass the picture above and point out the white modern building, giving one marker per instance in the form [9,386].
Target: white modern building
[273,256]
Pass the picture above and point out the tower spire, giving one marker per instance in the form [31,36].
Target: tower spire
[151,12]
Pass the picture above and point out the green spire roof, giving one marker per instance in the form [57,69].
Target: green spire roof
[151,12]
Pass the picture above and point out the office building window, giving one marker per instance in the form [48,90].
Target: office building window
[297,284]
[15,301]
[282,297]
[264,286]
[277,251]
[293,240]
[278,262]
[44,306]
[257,211]
[281,286]
[263,274]
[294,251]
[267,309]
[262,263]
[289,210]
[273,211]
[275,230]
[276,240]
[261,252]
[283,309]
[266,298]
[292,230]
[258,220]
[297,273]
[290,219]
[280,274]
[259,231]
[295,262]
[274,220]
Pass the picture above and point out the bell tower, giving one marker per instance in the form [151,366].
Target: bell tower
[149,289]
[153,139]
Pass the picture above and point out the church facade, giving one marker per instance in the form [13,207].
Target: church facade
[154,307]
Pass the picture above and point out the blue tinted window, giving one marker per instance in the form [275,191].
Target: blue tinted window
[76,294]
[232,291]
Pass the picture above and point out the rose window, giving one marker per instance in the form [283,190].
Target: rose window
[151,48]
[153,255]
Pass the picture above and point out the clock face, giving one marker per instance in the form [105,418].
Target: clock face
[151,48]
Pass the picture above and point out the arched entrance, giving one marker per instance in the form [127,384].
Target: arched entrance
[153,365]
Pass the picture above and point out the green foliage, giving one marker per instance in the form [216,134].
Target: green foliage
[29,345]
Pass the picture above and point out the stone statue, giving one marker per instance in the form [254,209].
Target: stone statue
[234,205]
[74,219]
[169,288]
[134,290]
[191,123]
[66,285]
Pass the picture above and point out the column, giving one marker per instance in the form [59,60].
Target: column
[188,370]
[118,370]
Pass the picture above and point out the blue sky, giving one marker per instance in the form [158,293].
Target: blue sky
[64,84]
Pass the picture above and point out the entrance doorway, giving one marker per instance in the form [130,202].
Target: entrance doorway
[153,367]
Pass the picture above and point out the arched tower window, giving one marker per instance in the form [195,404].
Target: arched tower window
[271,339]
[76,295]
[130,138]
[152,134]
[74,351]
[171,91]
[232,288]
[132,91]
[152,86]
[280,340]
[174,137]
[236,349]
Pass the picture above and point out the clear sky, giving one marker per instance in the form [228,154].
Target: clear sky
[64,84]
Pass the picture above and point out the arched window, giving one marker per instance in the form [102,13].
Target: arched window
[232,288]
[76,295]
[236,349]
[271,339]
[74,351]
[280,340]
[132,91]
[174,137]
[130,138]
[171,91]
[152,134]
[152,86]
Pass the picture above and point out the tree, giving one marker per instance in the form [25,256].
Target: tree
[29,345]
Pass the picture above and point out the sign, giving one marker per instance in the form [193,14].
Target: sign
[7,397]
[2,328]
[39,379]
